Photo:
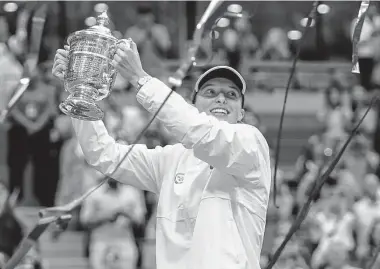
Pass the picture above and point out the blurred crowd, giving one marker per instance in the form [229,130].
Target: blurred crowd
[341,231]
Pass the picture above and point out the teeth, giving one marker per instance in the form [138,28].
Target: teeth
[219,110]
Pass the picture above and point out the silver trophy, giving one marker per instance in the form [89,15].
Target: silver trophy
[90,76]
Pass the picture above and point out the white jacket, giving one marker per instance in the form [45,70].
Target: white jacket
[213,187]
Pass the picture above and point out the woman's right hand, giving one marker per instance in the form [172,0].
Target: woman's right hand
[61,62]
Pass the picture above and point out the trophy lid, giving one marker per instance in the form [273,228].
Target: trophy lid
[99,29]
[102,21]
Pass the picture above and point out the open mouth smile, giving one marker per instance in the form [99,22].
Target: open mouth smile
[220,111]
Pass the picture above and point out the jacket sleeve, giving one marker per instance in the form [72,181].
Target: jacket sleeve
[140,169]
[237,149]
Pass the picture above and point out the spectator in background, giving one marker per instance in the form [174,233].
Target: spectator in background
[252,118]
[369,129]
[317,152]
[291,257]
[111,214]
[360,159]
[10,229]
[29,136]
[374,241]
[240,43]
[311,152]
[11,233]
[336,256]
[309,236]
[337,225]
[152,39]
[306,186]
[4,29]
[366,210]
[335,115]
[348,186]
[360,100]
[10,68]
[275,46]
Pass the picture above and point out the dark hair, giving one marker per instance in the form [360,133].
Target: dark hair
[112,183]
[331,181]
[333,85]
[144,9]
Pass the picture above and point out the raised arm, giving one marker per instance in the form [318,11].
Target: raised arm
[237,149]
[141,168]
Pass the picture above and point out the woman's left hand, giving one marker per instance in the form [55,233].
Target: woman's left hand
[127,62]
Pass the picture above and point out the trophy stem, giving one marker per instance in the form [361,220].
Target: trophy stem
[81,104]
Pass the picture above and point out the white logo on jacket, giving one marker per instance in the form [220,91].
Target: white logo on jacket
[179,178]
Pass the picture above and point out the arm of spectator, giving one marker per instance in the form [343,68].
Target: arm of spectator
[49,111]
[299,167]
[362,247]
[287,202]
[161,35]
[23,120]
[318,258]
[305,184]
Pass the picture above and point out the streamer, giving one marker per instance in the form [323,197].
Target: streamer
[356,35]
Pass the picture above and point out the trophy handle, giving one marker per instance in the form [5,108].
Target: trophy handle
[111,77]
[64,72]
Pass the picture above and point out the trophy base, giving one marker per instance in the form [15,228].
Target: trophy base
[81,109]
